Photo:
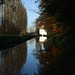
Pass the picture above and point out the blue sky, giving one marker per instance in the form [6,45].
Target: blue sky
[30,6]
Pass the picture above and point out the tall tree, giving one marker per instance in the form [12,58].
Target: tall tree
[62,9]
[15,17]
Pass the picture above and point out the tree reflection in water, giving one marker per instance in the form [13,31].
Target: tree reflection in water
[13,59]
[48,57]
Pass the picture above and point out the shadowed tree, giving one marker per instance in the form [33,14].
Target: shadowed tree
[62,10]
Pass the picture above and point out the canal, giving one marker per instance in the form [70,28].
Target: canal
[38,56]
[20,60]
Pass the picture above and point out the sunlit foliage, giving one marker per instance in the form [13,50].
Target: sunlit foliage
[14,17]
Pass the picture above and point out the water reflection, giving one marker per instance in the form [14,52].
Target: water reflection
[42,39]
[30,67]
[31,58]
[47,54]
[12,59]
[40,43]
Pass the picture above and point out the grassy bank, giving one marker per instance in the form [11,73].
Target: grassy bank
[7,41]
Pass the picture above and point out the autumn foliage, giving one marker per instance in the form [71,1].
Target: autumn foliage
[56,15]
[49,23]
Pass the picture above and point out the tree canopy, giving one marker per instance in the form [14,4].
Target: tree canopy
[57,12]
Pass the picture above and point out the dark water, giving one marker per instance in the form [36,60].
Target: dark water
[12,59]
[20,60]
[38,56]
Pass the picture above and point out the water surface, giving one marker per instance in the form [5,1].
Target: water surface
[37,56]
[20,60]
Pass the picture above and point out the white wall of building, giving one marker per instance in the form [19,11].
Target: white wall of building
[42,32]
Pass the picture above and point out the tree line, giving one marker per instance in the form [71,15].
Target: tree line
[57,15]
[13,18]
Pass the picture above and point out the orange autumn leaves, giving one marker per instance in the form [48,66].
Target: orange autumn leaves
[50,23]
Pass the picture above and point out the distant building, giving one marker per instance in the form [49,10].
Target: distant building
[42,31]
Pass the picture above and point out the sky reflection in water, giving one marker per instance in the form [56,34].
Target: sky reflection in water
[31,65]
[20,59]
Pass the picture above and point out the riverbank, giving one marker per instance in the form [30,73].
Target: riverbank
[66,63]
[7,41]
